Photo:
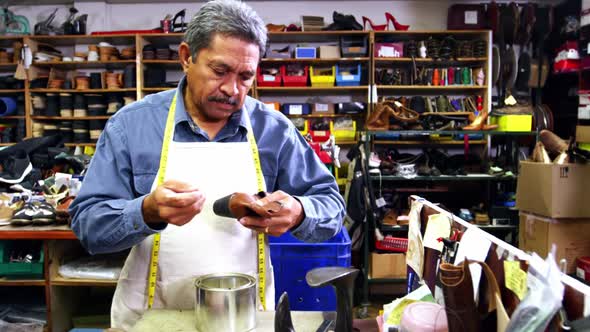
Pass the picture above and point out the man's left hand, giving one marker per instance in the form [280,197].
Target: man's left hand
[278,212]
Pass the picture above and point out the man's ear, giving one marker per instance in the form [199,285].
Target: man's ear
[184,56]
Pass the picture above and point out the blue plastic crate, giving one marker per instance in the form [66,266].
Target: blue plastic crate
[352,79]
[292,259]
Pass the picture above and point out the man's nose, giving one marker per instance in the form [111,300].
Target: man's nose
[230,87]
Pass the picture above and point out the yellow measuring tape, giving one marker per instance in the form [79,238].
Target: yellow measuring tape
[153,272]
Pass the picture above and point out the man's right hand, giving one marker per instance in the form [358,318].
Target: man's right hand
[173,202]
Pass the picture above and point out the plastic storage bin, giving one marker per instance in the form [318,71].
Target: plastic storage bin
[344,134]
[20,270]
[296,109]
[513,122]
[322,81]
[269,80]
[292,259]
[279,51]
[305,52]
[353,46]
[352,78]
[294,80]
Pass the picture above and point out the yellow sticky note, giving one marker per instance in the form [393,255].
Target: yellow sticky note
[515,278]
[395,317]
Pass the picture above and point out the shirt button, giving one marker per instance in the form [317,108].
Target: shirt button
[135,226]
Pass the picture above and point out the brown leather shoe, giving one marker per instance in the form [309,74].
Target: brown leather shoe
[275,27]
[379,118]
[239,205]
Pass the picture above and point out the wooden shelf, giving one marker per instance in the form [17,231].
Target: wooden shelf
[83,91]
[168,64]
[52,232]
[157,89]
[7,41]
[21,282]
[61,281]
[431,87]
[73,118]
[85,64]
[12,117]
[293,60]
[8,66]
[346,142]
[311,88]
[12,90]
[430,60]
[79,144]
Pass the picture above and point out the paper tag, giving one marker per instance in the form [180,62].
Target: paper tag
[386,51]
[515,278]
[374,92]
[588,48]
[295,109]
[348,77]
[586,305]
[397,103]
[510,101]
[320,133]
[438,226]
[321,107]
[268,78]
[380,202]
[471,17]
[395,317]
[584,113]
[580,273]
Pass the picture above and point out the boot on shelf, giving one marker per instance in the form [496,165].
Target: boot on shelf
[379,118]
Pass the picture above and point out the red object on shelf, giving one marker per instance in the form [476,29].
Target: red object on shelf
[295,80]
[394,244]
[324,156]
[264,80]
[320,136]
[565,66]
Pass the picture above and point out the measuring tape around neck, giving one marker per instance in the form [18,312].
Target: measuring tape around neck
[261,237]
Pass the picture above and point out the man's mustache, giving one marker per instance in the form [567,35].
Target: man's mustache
[224,100]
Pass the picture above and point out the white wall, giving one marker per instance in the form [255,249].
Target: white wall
[421,15]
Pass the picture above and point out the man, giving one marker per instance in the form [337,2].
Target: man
[209,154]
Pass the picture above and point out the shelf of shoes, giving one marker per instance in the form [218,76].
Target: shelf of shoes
[160,68]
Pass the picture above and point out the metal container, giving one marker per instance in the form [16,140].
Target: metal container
[225,302]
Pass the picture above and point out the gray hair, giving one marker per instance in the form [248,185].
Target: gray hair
[229,18]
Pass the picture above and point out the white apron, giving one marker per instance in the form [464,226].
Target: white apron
[207,244]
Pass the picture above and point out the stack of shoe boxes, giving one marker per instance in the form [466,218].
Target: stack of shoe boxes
[554,210]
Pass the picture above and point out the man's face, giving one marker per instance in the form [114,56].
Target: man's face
[221,76]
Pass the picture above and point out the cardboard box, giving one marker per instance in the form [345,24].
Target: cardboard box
[556,191]
[322,108]
[537,234]
[329,52]
[388,265]
[583,134]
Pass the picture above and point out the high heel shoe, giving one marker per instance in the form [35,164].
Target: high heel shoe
[374,27]
[479,123]
[396,24]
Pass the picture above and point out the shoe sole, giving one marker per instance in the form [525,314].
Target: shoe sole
[19,180]
[21,222]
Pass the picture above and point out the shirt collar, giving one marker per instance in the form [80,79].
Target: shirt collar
[236,120]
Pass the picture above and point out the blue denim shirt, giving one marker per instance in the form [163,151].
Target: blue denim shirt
[107,216]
